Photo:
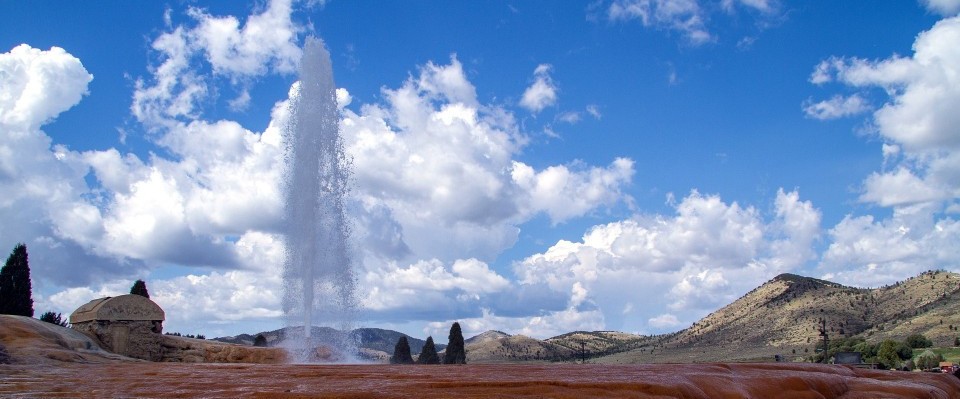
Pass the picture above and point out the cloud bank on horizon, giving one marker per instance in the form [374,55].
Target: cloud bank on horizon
[456,214]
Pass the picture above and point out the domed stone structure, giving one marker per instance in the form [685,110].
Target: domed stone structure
[130,325]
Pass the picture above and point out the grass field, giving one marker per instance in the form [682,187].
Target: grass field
[950,354]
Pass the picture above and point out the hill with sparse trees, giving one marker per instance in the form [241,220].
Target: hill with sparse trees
[784,316]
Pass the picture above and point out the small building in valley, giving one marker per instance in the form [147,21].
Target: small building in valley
[854,359]
[129,325]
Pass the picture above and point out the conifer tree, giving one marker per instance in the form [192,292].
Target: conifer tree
[456,352]
[53,318]
[401,352]
[16,293]
[140,288]
[260,340]
[428,355]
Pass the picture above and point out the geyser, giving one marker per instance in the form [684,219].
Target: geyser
[318,277]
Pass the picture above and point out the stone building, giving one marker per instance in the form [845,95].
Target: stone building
[129,325]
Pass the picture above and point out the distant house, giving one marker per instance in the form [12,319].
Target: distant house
[948,367]
[853,359]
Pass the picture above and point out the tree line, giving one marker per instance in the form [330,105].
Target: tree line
[887,354]
[456,352]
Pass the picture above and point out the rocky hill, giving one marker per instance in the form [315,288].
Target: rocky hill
[498,347]
[484,337]
[783,316]
[28,340]
[25,340]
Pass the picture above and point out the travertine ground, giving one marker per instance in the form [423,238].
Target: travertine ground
[170,380]
[48,361]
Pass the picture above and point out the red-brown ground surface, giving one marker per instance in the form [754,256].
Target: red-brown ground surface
[783,380]
[49,361]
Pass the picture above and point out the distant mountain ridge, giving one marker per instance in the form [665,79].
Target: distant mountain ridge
[781,316]
[372,339]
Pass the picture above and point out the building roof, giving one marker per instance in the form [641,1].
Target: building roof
[124,307]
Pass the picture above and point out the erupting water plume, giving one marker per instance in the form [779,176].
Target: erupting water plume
[318,276]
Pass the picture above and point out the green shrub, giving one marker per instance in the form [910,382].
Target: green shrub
[891,354]
[917,341]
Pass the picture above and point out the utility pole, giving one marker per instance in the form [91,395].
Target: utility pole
[826,340]
[583,352]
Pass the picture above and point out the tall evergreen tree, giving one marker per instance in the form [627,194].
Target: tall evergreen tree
[401,352]
[428,355]
[260,340]
[16,293]
[456,352]
[140,288]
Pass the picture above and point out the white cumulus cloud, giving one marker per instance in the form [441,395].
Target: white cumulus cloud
[664,321]
[692,262]
[921,149]
[684,16]
[265,43]
[836,107]
[38,85]
[942,7]
[47,204]
[542,93]
[445,167]
[691,19]
[435,188]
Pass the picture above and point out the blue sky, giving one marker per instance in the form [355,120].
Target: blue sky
[532,167]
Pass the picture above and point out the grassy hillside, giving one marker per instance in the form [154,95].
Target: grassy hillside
[600,342]
[515,348]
